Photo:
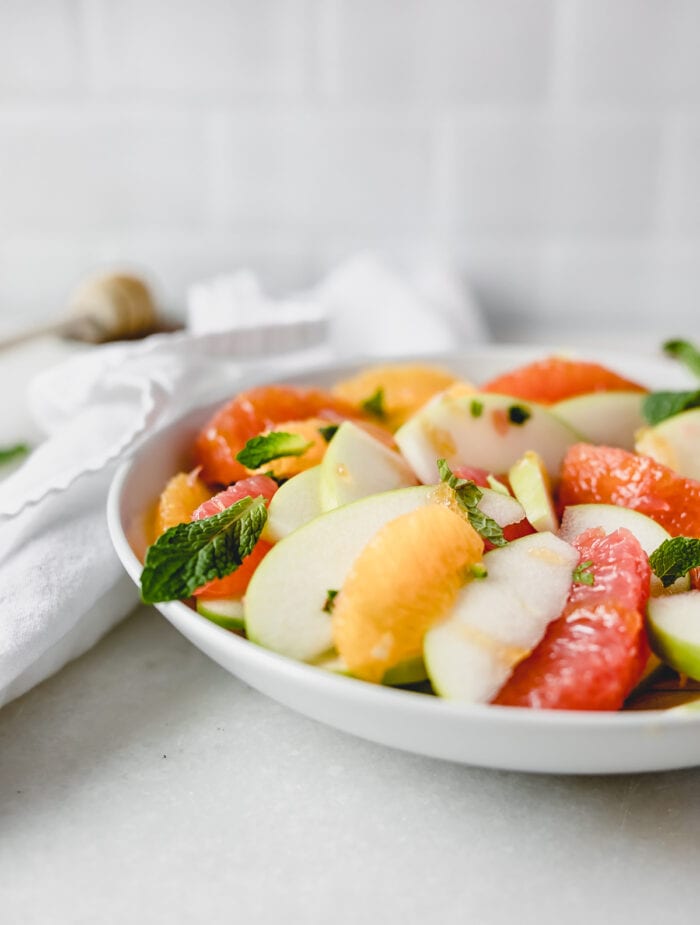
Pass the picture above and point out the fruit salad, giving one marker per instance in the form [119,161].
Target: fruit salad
[530,541]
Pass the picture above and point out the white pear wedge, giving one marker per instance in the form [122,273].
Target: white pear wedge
[674,442]
[674,631]
[295,503]
[606,418]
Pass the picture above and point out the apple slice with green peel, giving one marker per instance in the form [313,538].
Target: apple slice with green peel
[412,671]
[356,465]
[607,418]
[484,430]
[499,619]
[674,631]
[674,442]
[295,503]
[285,600]
[226,611]
[532,488]
[650,535]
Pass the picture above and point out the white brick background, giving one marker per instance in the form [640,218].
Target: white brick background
[551,148]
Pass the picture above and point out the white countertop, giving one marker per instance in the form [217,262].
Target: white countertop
[145,784]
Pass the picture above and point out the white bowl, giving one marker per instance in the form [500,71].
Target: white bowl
[490,736]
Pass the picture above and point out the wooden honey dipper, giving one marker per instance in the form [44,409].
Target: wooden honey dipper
[113,306]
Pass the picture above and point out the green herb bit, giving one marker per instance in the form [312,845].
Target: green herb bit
[375,404]
[476,408]
[687,353]
[675,558]
[478,570]
[583,574]
[468,496]
[329,432]
[330,600]
[658,406]
[263,449]
[8,454]
[189,555]
[517,414]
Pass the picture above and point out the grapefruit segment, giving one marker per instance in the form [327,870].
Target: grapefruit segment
[555,378]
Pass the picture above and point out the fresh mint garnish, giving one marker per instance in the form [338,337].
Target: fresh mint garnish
[517,414]
[468,496]
[189,555]
[8,454]
[374,405]
[329,432]
[263,449]
[658,406]
[583,573]
[686,353]
[330,600]
[476,408]
[478,570]
[675,558]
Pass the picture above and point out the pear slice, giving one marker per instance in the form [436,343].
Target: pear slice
[295,503]
[357,465]
[674,631]
[226,611]
[411,671]
[532,488]
[285,600]
[607,418]
[499,619]
[674,442]
[650,535]
[485,430]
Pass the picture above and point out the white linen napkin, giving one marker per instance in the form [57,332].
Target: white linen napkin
[61,584]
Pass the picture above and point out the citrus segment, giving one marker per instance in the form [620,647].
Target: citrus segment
[235,584]
[180,497]
[404,580]
[555,379]
[253,412]
[607,475]
[595,653]
[404,388]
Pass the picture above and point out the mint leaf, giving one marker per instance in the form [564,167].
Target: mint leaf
[329,432]
[675,558]
[657,406]
[263,449]
[468,496]
[375,404]
[189,555]
[330,600]
[686,352]
[476,408]
[7,454]
[583,574]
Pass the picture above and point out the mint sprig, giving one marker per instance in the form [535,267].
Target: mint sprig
[675,558]
[658,406]
[468,496]
[583,573]
[686,353]
[374,405]
[10,453]
[189,555]
[329,431]
[263,449]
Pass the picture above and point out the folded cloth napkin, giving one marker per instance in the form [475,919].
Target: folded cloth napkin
[61,584]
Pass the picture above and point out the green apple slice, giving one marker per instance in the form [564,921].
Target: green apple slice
[498,620]
[485,430]
[650,535]
[296,502]
[531,487]
[356,465]
[674,442]
[607,418]
[674,631]
[411,671]
[284,602]
[226,611]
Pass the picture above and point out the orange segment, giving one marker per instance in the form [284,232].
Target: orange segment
[181,496]
[406,388]
[555,378]
[405,580]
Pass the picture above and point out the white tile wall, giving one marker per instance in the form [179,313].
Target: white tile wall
[551,148]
